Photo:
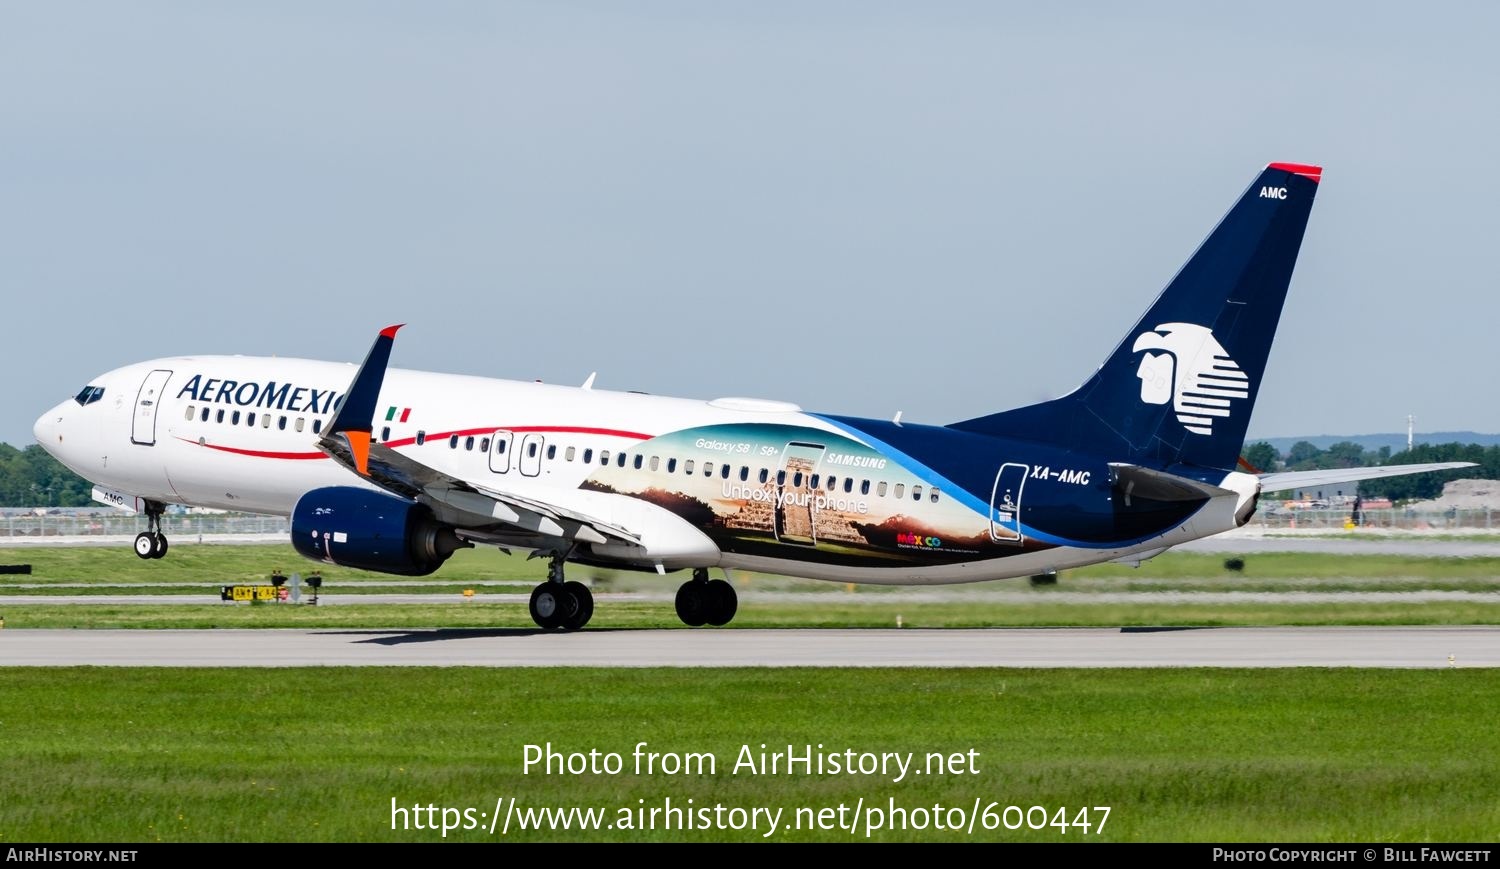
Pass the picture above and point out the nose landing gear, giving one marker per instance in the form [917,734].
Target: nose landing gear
[152,543]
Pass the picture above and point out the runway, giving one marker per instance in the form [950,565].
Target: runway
[1384,647]
[1019,597]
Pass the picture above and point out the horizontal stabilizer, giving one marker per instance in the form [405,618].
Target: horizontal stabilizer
[1138,482]
[1284,480]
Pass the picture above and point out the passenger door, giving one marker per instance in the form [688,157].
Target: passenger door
[147,403]
[1005,503]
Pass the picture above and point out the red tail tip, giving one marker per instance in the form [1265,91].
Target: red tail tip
[1313,172]
[390,331]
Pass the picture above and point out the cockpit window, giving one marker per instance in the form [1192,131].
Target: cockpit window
[88,395]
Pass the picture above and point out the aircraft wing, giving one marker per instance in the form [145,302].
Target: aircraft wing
[347,441]
[1283,480]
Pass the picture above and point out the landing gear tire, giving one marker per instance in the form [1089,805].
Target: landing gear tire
[151,543]
[550,605]
[583,605]
[693,603]
[722,603]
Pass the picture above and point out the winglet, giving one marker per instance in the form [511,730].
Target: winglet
[355,417]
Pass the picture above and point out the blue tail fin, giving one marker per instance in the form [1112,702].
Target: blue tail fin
[1180,387]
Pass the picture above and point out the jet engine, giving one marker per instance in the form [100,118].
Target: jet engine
[371,531]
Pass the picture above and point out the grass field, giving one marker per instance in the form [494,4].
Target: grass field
[318,754]
[210,565]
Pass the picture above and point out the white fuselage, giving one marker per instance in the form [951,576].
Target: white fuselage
[241,433]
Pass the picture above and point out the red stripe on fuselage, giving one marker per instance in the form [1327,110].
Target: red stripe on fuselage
[435,436]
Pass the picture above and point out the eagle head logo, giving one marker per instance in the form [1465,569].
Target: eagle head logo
[1192,371]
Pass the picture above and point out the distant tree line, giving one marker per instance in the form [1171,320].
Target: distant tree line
[32,478]
[1303,456]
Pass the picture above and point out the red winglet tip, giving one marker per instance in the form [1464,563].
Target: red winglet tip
[1315,173]
[390,331]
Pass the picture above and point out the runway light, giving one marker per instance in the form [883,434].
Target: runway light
[898,620]
[468,592]
[1450,657]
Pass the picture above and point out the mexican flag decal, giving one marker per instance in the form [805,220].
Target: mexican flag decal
[390,415]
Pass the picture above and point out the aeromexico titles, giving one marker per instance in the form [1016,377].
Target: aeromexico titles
[394,470]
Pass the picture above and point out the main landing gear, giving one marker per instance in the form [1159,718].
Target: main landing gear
[559,603]
[704,602]
[152,543]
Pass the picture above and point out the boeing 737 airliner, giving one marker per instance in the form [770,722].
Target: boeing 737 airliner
[394,470]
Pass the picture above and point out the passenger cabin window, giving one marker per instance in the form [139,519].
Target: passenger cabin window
[249,419]
[814,483]
[832,482]
[708,469]
[484,445]
[724,472]
[453,442]
[204,418]
[190,413]
[218,418]
[265,420]
[639,460]
[568,455]
[281,425]
[604,457]
[916,493]
[687,466]
[620,459]
[317,425]
[880,489]
[234,419]
[588,456]
[765,476]
[744,473]
[551,452]
[900,490]
[500,446]
[531,450]
[655,463]
[864,487]
[797,480]
[88,395]
[385,432]
[301,421]
[671,466]
[421,435]
[781,478]
[848,484]
[469,443]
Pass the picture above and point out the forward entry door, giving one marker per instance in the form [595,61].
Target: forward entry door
[147,403]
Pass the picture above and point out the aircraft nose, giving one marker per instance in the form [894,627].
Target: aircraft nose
[46,428]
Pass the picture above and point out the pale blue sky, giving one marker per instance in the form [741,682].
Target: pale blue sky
[940,208]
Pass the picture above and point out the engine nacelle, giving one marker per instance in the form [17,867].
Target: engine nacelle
[371,531]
